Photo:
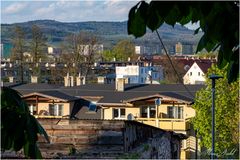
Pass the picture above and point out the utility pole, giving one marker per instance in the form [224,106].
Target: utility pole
[213,77]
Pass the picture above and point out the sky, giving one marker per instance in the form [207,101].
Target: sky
[67,11]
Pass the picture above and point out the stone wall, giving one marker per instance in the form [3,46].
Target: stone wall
[105,139]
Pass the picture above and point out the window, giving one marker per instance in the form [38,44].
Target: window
[144,112]
[92,107]
[148,111]
[32,109]
[119,113]
[170,111]
[180,112]
[56,109]
[175,112]
[198,73]
[190,73]
[152,111]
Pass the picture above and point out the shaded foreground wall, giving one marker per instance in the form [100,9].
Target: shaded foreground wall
[107,139]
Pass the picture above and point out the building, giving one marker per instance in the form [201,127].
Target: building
[196,73]
[140,74]
[164,106]
[178,49]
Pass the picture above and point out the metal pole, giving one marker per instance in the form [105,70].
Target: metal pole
[213,77]
[213,118]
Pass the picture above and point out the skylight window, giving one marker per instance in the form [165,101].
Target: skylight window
[92,107]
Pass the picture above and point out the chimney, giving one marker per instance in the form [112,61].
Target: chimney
[34,79]
[101,79]
[119,84]
[12,79]
[126,80]
[80,80]
[68,81]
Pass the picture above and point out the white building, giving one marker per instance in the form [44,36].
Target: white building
[196,73]
[139,74]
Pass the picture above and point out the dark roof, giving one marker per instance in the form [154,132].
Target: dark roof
[107,91]
[35,87]
[204,66]
[54,94]
[59,95]
[110,95]
[9,84]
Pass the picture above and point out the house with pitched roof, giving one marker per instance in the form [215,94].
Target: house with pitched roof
[196,73]
[166,106]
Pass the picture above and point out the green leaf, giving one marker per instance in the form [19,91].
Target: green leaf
[154,21]
[42,131]
[201,44]
[233,72]
[136,22]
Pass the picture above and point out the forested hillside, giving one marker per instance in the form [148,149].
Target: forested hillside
[109,33]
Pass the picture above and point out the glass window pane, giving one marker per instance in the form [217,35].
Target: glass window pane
[115,113]
[152,112]
[170,112]
[51,109]
[180,112]
[144,112]
[55,110]
[60,110]
[92,107]
[122,113]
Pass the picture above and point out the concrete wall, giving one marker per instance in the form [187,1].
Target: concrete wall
[103,138]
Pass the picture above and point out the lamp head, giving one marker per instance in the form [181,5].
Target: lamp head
[214,76]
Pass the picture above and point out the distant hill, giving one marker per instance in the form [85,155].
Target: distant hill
[109,32]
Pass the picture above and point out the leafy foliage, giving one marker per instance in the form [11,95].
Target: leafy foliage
[123,50]
[226,114]
[18,48]
[19,128]
[218,20]
[38,43]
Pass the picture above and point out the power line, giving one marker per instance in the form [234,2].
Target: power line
[179,78]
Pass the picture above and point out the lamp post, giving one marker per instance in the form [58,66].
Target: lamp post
[213,77]
[157,103]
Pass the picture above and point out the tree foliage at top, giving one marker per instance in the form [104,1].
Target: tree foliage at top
[38,43]
[19,129]
[79,52]
[19,45]
[219,22]
[226,114]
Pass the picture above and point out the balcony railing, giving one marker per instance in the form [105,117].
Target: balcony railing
[166,123]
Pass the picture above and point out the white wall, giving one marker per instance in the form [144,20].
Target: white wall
[194,75]
[137,74]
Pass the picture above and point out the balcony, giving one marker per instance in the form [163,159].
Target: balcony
[166,123]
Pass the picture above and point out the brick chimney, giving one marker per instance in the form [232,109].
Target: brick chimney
[81,80]
[12,79]
[68,81]
[101,79]
[119,84]
[34,79]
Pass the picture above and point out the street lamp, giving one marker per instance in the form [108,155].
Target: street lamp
[157,103]
[213,77]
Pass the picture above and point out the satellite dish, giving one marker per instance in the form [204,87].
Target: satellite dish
[130,117]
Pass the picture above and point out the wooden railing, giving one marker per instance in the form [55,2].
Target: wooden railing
[167,123]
